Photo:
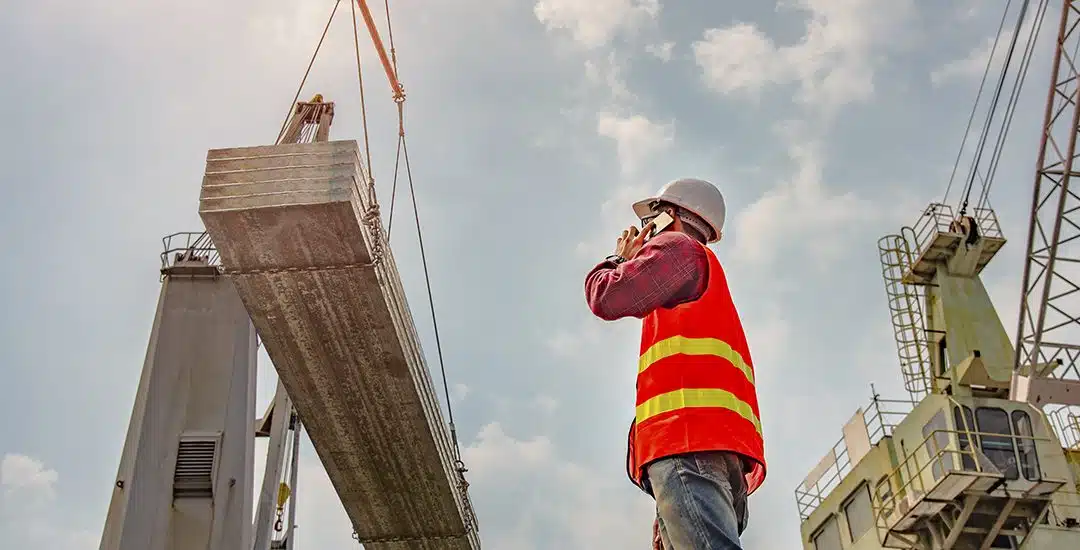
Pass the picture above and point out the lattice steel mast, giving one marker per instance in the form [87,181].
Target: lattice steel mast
[1050,307]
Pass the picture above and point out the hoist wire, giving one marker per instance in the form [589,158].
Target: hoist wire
[303,80]
[1006,125]
[993,106]
[390,36]
[431,300]
[975,106]
[403,154]
[401,130]
[393,190]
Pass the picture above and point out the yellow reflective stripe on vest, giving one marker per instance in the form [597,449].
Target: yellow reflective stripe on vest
[693,346]
[697,397]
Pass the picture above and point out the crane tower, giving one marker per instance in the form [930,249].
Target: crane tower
[185,475]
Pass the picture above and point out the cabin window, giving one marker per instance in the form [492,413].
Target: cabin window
[859,512]
[828,536]
[998,448]
[937,442]
[965,422]
[1029,461]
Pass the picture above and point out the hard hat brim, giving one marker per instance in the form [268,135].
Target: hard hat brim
[643,209]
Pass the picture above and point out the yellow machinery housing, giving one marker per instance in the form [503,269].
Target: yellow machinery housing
[959,465]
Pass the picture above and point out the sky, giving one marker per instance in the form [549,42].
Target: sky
[532,125]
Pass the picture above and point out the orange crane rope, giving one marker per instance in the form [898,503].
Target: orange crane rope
[391,71]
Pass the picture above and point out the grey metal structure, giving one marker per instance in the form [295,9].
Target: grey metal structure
[283,430]
[185,476]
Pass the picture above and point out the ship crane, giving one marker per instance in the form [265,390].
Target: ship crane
[295,258]
[985,451]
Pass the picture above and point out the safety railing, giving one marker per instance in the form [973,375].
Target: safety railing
[987,222]
[939,218]
[879,418]
[936,218]
[909,482]
[188,246]
[1066,422]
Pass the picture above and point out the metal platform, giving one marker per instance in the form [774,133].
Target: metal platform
[296,232]
[919,505]
[936,236]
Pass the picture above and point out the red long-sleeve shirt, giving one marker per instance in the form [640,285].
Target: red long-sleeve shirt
[669,270]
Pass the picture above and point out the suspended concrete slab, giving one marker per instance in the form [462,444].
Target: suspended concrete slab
[295,230]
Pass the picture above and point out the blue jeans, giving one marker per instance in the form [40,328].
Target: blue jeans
[700,500]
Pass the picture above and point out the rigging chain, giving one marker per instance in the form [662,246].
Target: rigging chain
[390,66]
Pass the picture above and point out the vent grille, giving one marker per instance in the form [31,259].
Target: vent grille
[194,475]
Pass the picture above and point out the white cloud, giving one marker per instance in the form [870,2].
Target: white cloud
[636,137]
[614,214]
[606,73]
[494,455]
[801,205]
[546,403]
[27,476]
[460,392]
[593,23]
[661,51]
[738,59]
[968,9]
[762,333]
[27,515]
[833,63]
[556,500]
[973,65]
[568,344]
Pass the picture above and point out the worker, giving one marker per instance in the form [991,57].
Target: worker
[695,444]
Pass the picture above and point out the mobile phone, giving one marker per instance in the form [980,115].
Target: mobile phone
[660,223]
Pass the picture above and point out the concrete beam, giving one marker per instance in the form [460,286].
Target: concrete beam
[288,222]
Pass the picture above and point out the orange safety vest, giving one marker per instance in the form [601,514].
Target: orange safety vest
[695,384]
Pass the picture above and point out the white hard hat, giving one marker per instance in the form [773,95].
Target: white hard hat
[693,195]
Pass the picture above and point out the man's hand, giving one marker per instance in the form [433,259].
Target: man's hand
[657,542]
[631,241]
